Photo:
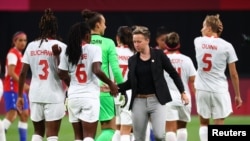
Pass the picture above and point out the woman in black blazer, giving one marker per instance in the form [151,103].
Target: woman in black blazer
[150,92]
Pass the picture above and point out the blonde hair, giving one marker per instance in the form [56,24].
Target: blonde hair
[215,23]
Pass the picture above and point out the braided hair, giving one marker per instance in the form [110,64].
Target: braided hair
[77,34]
[48,26]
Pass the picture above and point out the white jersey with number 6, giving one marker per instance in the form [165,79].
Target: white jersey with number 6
[213,55]
[185,68]
[45,86]
[83,82]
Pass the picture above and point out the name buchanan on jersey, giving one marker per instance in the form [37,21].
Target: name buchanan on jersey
[41,52]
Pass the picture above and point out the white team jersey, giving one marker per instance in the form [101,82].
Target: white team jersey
[123,55]
[83,82]
[185,68]
[46,86]
[213,55]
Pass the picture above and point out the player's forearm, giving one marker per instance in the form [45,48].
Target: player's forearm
[21,84]
[101,75]
[235,82]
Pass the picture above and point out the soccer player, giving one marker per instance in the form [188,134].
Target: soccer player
[178,114]
[46,93]
[13,68]
[96,22]
[214,55]
[125,49]
[82,61]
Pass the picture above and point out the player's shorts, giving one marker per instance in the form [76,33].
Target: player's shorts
[107,107]
[46,111]
[126,117]
[174,113]
[123,114]
[10,99]
[213,105]
[85,109]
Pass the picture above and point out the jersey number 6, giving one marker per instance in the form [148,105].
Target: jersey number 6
[81,75]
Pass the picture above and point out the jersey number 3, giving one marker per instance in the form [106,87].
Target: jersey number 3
[45,65]
[207,60]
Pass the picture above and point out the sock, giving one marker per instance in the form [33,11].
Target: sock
[125,138]
[6,124]
[88,139]
[36,138]
[132,137]
[147,138]
[52,138]
[203,133]
[116,136]
[106,135]
[22,129]
[171,136]
[152,137]
[2,132]
[182,134]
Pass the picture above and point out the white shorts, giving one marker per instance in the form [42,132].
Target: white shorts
[181,113]
[213,105]
[124,115]
[47,111]
[85,109]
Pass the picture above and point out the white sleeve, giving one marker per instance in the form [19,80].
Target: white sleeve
[97,54]
[64,64]
[12,59]
[190,65]
[232,57]
[25,58]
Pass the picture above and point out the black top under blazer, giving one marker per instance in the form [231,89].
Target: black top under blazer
[159,63]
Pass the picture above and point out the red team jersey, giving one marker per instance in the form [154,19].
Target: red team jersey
[9,83]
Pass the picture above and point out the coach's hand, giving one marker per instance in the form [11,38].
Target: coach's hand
[113,89]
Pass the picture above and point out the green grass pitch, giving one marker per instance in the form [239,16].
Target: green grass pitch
[66,131]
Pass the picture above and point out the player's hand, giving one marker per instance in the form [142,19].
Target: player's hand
[26,88]
[19,104]
[238,102]
[105,88]
[113,89]
[56,50]
[185,98]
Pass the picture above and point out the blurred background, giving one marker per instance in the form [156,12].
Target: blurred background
[184,17]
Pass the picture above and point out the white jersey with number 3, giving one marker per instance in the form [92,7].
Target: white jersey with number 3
[185,68]
[83,82]
[213,55]
[45,86]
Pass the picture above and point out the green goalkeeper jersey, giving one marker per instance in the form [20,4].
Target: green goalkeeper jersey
[109,57]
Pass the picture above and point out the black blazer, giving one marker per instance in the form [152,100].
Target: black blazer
[159,63]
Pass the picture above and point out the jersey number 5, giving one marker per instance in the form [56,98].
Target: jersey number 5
[81,74]
[207,60]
